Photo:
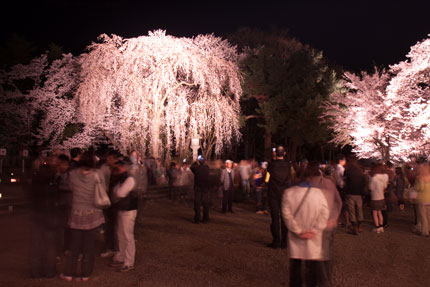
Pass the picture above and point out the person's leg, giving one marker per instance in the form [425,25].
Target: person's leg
[311,273]
[129,219]
[375,218]
[284,231]
[424,223]
[380,218]
[350,206]
[109,229]
[75,250]
[258,198]
[206,204]
[88,251]
[427,209]
[275,225]
[385,218]
[359,206]
[120,231]
[197,204]
[224,200]
[295,273]
[230,200]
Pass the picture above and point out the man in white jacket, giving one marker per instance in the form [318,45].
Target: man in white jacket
[305,212]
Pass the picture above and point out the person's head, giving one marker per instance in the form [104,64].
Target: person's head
[63,163]
[399,171]
[340,158]
[388,164]
[134,155]
[201,159]
[228,164]
[377,168]
[264,165]
[112,158]
[173,164]
[75,153]
[122,165]
[313,169]
[87,161]
[280,152]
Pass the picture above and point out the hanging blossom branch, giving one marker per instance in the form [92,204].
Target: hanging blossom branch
[156,91]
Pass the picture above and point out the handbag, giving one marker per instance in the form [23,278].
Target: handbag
[101,199]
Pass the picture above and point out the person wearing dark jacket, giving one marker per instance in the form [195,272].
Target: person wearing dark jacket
[279,172]
[201,189]
[355,184]
[44,199]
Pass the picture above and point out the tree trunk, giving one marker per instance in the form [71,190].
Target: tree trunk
[155,137]
[268,145]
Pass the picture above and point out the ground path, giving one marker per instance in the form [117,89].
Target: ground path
[229,251]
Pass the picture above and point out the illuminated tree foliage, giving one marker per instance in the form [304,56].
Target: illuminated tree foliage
[356,113]
[159,91]
[408,96]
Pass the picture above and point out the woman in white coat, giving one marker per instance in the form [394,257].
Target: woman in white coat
[305,212]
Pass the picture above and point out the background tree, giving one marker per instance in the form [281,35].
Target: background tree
[356,114]
[289,81]
[408,95]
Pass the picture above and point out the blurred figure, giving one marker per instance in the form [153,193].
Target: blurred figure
[227,183]
[422,186]
[84,219]
[306,213]
[259,183]
[44,220]
[355,184]
[174,176]
[327,183]
[111,177]
[140,174]
[400,184]
[245,173]
[279,179]
[64,205]
[340,184]
[201,190]
[125,201]
[377,184]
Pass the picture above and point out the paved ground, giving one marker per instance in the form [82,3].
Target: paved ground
[229,251]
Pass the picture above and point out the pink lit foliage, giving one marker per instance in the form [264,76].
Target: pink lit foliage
[356,114]
[16,96]
[38,101]
[156,92]
[408,96]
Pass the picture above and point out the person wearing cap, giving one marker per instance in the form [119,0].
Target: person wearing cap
[201,189]
[227,183]
[125,201]
[279,180]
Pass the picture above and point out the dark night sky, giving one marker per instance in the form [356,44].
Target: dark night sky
[355,35]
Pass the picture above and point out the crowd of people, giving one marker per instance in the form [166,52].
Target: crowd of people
[306,202]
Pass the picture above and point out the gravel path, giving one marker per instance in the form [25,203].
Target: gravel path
[229,251]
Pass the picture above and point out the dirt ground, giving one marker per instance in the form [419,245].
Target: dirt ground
[229,251]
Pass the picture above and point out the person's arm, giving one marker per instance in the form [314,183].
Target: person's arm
[126,187]
[288,216]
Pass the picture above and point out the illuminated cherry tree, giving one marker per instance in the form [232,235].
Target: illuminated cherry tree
[16,93]
[159,91]
[408,96]
[356,114]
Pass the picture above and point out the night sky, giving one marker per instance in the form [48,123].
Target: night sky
[355,34]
